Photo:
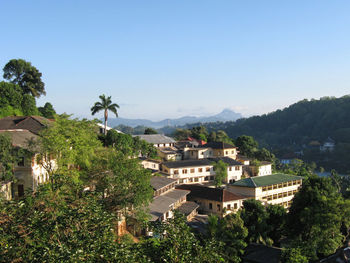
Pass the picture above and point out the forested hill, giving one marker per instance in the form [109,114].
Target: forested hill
[298,124]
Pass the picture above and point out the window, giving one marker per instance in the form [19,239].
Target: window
[20,189]
[228,207]
[264,188]
[200,170]
[230,168]
[206,178]
[210,206]
[290,183]
[294,182]
[285,184]
[176,171]
[237,168]
[274,186]
[218,207]
[290,193]
[196,179]
[190,180]
[184,171]
[235,206]
[280,195]
[181,181]
[207,169]
[269,187]
[192,171]
[274,196]
[285,194]
[232,152]
[280,185]
[269,198]
[226,152]
[212,177]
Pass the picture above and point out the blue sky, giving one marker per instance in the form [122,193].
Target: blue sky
[163,58]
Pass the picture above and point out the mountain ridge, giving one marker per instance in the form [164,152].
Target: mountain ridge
[224,115]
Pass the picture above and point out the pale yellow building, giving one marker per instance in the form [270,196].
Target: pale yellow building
[269,189]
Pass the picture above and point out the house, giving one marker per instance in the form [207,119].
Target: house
[243,159]
[211,200]
[260,169]
[151,164]
[169,153]
[200,171]
[328,145]
[269,189]
[222,149]
[24,133]
[102,128]
[167,199]
[158,140]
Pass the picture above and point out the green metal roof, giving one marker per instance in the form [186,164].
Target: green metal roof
[259,181]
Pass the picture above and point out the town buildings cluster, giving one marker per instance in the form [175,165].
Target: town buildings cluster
[183,175]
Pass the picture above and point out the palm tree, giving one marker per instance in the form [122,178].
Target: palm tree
[106,105]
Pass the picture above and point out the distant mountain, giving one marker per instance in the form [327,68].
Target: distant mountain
[225,115]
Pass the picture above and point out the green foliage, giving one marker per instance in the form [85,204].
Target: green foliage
[255,216]
[150,131]
[26,76]
[293,255]
[220,169]
[8,157]
[277,218]
[47,111]
[130,146]
[29,105]
[230,233]
[317,216]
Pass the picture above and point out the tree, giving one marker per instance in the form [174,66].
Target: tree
[150,131]
[255,218]
[277,217]
[247,145]
[28,77]
[105,105]
[231,233]
[47,111]
[220,169]
[317,216]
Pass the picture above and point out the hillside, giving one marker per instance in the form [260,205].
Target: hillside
[225,115]
[295,127]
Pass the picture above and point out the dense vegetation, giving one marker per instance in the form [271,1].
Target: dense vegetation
[17,96]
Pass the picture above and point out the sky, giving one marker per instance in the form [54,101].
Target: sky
[160,59]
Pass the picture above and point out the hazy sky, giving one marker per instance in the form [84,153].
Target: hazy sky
[173,58]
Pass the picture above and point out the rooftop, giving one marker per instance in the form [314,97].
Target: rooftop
[158,182]
[201,162]
[218,145]
[155,138]
[164,203]
[259,181]
[187,208]
[21,138]
[210,193]
[33,124]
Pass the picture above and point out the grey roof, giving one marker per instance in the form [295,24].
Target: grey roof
[168,150]
[155,138]
[201,162]
[260,181]
[33,124]
[22,138]
[158,182]
[218,145]
[187,208]
[164,203]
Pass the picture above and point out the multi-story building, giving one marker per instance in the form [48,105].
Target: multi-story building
[167,199]
[29,171]
[269,189]
[201,171]
[158,140]
[211,149]
[212,200]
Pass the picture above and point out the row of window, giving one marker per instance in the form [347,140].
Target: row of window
[279,195]
[196,179]
[200,170]
[281,185]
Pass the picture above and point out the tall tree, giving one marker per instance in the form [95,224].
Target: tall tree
[47,111]
[28,77]
[220,169]
[105,105]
